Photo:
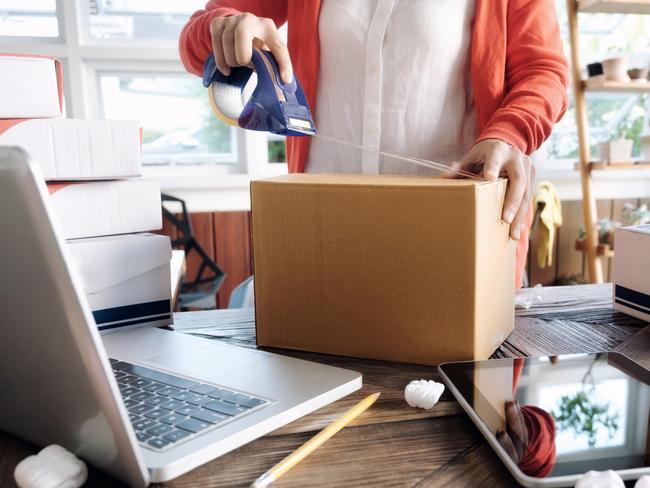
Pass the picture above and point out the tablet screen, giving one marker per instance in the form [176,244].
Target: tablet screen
[562,415]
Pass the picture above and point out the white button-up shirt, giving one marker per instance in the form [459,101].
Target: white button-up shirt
[394,75]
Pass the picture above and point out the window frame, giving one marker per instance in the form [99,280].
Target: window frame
[84,58]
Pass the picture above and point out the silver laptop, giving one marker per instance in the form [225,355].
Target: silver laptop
[145,405]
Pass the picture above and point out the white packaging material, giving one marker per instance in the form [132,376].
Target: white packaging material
[52,467]
[77,149]
[631,271]
[30,86]
[126,278]
[101,208]
[423,393]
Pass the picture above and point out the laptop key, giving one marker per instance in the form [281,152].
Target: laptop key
[187,409]
[198,399]
[224,408]
[172,405]
[130,403]
[240,397]
[176,435]
[113,360]
[143,424]
[169,391]
[160,429]
[156,414]
[130,391]
[141,408]
[172,418]
[203,389]
[252,402]
[134,418]
[183,395]
[157,400]
[143,395]
[193,425]
[139,382]
[142,436]
[209,416]
[158,442]
[154,387]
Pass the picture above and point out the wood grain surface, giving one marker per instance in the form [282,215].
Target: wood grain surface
[393,444]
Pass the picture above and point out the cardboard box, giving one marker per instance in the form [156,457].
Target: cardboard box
[632,271]
[126,278]
[30,86]
[399,268]
[102,208]
[77,149]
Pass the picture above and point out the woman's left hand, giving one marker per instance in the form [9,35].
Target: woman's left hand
[493,158]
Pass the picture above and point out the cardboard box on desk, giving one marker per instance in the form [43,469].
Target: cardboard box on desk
[632,271]
[126,278]
[399,268]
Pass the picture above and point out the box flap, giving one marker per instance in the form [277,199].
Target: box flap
[106,261]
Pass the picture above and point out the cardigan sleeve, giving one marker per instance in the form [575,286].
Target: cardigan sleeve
[536,77]
[195,42]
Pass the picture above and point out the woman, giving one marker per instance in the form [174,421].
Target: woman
[464,82]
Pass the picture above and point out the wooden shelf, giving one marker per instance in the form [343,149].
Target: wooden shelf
[602,249]
[614,6]
[616,86]
[603,166]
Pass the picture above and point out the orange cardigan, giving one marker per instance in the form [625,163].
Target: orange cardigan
[518,70]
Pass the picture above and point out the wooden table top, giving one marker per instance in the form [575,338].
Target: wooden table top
[393,444]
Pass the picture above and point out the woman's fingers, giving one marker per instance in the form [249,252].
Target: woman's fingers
[517,183]
[233,38]
[217,26]
[519,220]
[279,49]
[506,442]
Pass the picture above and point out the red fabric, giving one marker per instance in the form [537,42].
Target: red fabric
[540,455]
[519,72]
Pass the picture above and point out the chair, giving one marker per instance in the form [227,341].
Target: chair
[201,291]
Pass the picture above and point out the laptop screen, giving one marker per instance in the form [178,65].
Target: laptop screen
[562,415]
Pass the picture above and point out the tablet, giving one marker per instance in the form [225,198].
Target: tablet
[552,419]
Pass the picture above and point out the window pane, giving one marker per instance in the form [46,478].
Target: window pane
[277,149]
[140,19]
[28,18]
[174,112]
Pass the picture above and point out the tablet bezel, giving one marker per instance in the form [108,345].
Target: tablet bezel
[624,363]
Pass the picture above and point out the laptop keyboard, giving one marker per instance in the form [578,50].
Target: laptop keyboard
[165,409]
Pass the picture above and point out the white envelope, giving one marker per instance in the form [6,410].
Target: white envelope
[103,208]
[126,278]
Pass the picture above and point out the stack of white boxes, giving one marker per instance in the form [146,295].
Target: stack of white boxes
[102,205]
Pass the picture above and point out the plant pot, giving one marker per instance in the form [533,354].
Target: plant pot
[639,75]
[620,151]
[616,151]
[615,69]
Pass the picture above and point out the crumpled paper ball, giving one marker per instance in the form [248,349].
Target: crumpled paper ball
[53,467]
[423,393]
[643,482]
[600,479]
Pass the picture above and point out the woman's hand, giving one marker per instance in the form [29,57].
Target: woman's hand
[234,37]
[498,158]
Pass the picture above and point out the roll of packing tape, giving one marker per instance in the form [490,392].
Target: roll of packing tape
[228,101]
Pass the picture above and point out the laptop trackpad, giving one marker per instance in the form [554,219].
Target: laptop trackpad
[210,363]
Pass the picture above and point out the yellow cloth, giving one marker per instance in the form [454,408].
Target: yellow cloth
[550,218]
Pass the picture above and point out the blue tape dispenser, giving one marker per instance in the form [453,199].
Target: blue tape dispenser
[273,106]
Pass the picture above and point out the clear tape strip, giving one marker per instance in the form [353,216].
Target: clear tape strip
[500,195]
[418,161]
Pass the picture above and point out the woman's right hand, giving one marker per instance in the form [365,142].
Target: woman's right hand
[234,37]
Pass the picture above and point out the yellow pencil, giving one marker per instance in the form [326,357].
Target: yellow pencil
[314,443]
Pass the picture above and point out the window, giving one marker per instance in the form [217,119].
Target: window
[140,19]
[177,125]
[120,60]
[28,18]
[610,114]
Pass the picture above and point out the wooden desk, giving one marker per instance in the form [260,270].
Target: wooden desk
[393,444]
